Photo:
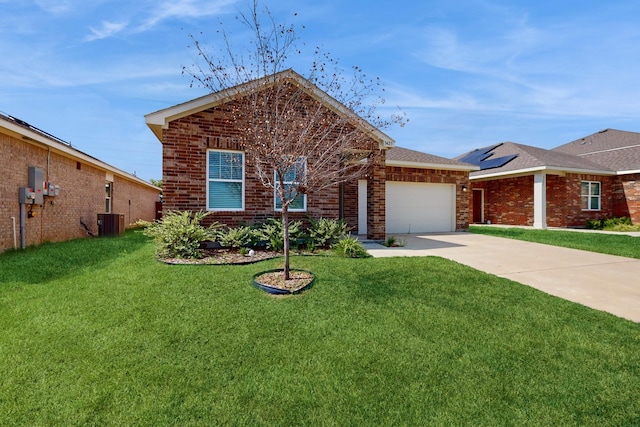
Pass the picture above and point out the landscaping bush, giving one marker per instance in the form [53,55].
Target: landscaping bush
[350,247]
[272,232]
[325,233]
[238,237]
[179,234]
[611,224]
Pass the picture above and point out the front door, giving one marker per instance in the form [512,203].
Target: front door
[478,206]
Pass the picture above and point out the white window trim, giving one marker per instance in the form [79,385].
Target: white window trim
[589,196]
[275,193]
[208,180]
[108,199]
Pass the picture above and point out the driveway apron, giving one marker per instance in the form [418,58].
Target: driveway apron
[604,282]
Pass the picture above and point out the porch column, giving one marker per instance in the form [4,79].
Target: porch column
[540,200]
[376,197]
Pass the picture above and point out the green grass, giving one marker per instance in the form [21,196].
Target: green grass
[96,332]
[611,244]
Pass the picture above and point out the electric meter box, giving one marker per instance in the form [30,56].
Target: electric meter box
[26,195]
[36,183]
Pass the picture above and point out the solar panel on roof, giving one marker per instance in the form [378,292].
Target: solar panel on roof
[497,162]
[477,156]
[482,157]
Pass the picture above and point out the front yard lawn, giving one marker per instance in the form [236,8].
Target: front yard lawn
[611,244]
[99,332]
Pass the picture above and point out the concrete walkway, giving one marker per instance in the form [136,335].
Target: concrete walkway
[604,282]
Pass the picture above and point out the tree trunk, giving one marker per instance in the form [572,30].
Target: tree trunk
[285,229]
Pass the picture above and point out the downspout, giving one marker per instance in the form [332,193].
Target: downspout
[23,227]
[15,242]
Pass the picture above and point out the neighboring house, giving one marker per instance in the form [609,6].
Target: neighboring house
[593,177]
[73,188]
[405,191]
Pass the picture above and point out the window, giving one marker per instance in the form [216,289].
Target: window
[590,194]
[108,188]
[293,179]
[225,180]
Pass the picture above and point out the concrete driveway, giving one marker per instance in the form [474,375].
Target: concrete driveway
[604,282]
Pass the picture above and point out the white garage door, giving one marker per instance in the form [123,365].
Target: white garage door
[419,207]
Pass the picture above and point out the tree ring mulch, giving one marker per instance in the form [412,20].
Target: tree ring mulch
[273,282]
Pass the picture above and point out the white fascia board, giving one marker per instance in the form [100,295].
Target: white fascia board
[419,165]
[629,172]
[547,169]
[32,137]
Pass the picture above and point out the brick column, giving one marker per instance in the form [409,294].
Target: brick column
[376,227]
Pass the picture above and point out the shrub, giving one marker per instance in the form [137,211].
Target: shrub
[272,232]
[392,242]
[350,247]
[325,233]
[239,237]
[613,224]
[179,234]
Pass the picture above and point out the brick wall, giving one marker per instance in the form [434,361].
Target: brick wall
[376,197]
[438,176]
[626,196]
[509,201]
[185,145]
[81,198]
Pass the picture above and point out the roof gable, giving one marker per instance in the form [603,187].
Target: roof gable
[160,119]
[614,149]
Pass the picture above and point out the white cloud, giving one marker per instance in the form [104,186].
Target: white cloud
[107,29]
[181,9]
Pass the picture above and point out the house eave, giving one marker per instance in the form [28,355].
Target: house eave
[438,166]
[551,170]
[35,138]
[628,172]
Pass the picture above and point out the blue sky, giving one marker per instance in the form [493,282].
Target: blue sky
[467,73]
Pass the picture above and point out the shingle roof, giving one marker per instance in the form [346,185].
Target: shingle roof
[611,148]
[399,156]
[528,157]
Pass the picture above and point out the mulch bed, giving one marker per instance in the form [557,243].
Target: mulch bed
[297,280]
[224,257]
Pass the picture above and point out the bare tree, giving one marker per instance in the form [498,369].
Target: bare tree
[302,134]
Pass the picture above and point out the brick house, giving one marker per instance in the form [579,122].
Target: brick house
[400,193]
[593,177]
[78,187]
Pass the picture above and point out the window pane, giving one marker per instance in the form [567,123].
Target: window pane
[298,203]
[595,188]
[584,189]
[595,203]
[236,170]
[585,202]
[225,195]
[214,165]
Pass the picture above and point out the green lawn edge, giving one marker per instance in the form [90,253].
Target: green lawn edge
[102,333]
[611,244]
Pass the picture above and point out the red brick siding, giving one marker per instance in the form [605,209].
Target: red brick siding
[626,197]
[510,200]
[81,198]
[437,176]
[376,197]
[185,145]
